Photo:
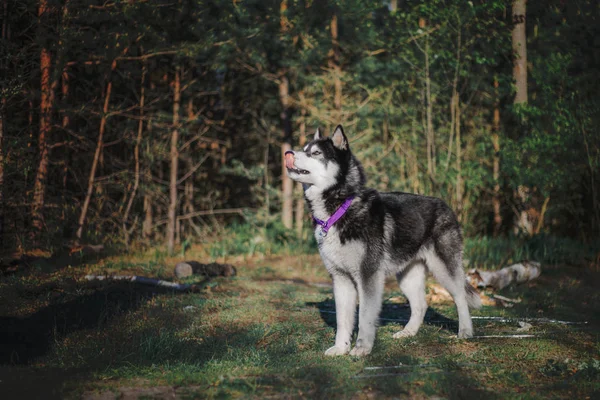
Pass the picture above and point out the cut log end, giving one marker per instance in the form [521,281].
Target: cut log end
[188,268]
[517,273]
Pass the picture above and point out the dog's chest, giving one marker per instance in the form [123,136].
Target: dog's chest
[347,256]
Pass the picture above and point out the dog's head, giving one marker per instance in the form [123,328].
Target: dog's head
[325,162]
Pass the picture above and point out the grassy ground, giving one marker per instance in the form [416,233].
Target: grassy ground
[262,334]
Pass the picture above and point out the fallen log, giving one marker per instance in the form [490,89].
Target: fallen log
[516,273]
[183,287]
[189,268]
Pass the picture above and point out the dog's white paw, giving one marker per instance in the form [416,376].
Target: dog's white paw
[465,334]
[337,351]
[404,333]
[360,351]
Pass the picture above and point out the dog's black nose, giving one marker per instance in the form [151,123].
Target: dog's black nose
[288,152]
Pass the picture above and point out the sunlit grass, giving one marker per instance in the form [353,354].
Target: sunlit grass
[263,332]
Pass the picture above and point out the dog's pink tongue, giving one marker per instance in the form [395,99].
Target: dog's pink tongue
[289,160]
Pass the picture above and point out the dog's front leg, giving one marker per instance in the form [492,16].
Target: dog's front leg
[370,294]
[344,292]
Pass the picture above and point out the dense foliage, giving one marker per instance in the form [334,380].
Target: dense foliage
[416,85]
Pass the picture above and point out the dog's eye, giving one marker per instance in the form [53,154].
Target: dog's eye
[316,153]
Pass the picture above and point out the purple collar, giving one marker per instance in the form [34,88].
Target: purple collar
[339,213]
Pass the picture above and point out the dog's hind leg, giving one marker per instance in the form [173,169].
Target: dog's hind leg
[344,293]
[370,293]
[412,284]
[448,270]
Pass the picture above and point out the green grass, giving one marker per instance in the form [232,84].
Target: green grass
[481,252]
[487,252]
[263,333]
[253,239]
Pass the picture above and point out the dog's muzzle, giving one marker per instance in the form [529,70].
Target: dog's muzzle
[289,164]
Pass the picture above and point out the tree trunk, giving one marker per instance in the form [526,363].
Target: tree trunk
[393,7]
[64,125]
[148,220]
[416,186]
[172,211]
[453,99]
[299,189]
[287,184]
[2,127]
[519,45]
[136,157]
[188,207]
[334,64]
[148,197]
[99,146]
[459,182]
[496,163]
[65,94]
[64,75]
[287,187]
[46,100]
[431,169]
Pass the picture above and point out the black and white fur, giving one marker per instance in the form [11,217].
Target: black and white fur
[380,234]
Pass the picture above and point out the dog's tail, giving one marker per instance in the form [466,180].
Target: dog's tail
[473,299]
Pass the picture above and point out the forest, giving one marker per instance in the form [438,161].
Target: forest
[153,246]
[158,122]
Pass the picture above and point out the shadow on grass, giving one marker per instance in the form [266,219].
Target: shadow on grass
[390,314]
[561,292]
[62,259]
[24,340]
[453,381]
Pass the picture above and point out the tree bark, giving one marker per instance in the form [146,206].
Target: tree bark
[519,45]
[2,127]
[431,169]
[148,224]
[287,186]
[416,186]
[45,126]
[334,64]
[496,162]
[148,218]
[427,115]
[99,145]
[299,189]
[188,207]
[64,126]
[136,157]
[393,7]
[172,211]
[454,96]
[65,95]
[459,182]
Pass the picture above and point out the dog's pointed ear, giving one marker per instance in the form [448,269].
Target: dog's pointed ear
[339,139]
[318,134]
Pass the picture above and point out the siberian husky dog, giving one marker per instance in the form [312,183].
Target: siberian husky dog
[364,235]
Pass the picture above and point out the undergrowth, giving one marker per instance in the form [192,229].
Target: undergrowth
[480,252]
[249,239]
